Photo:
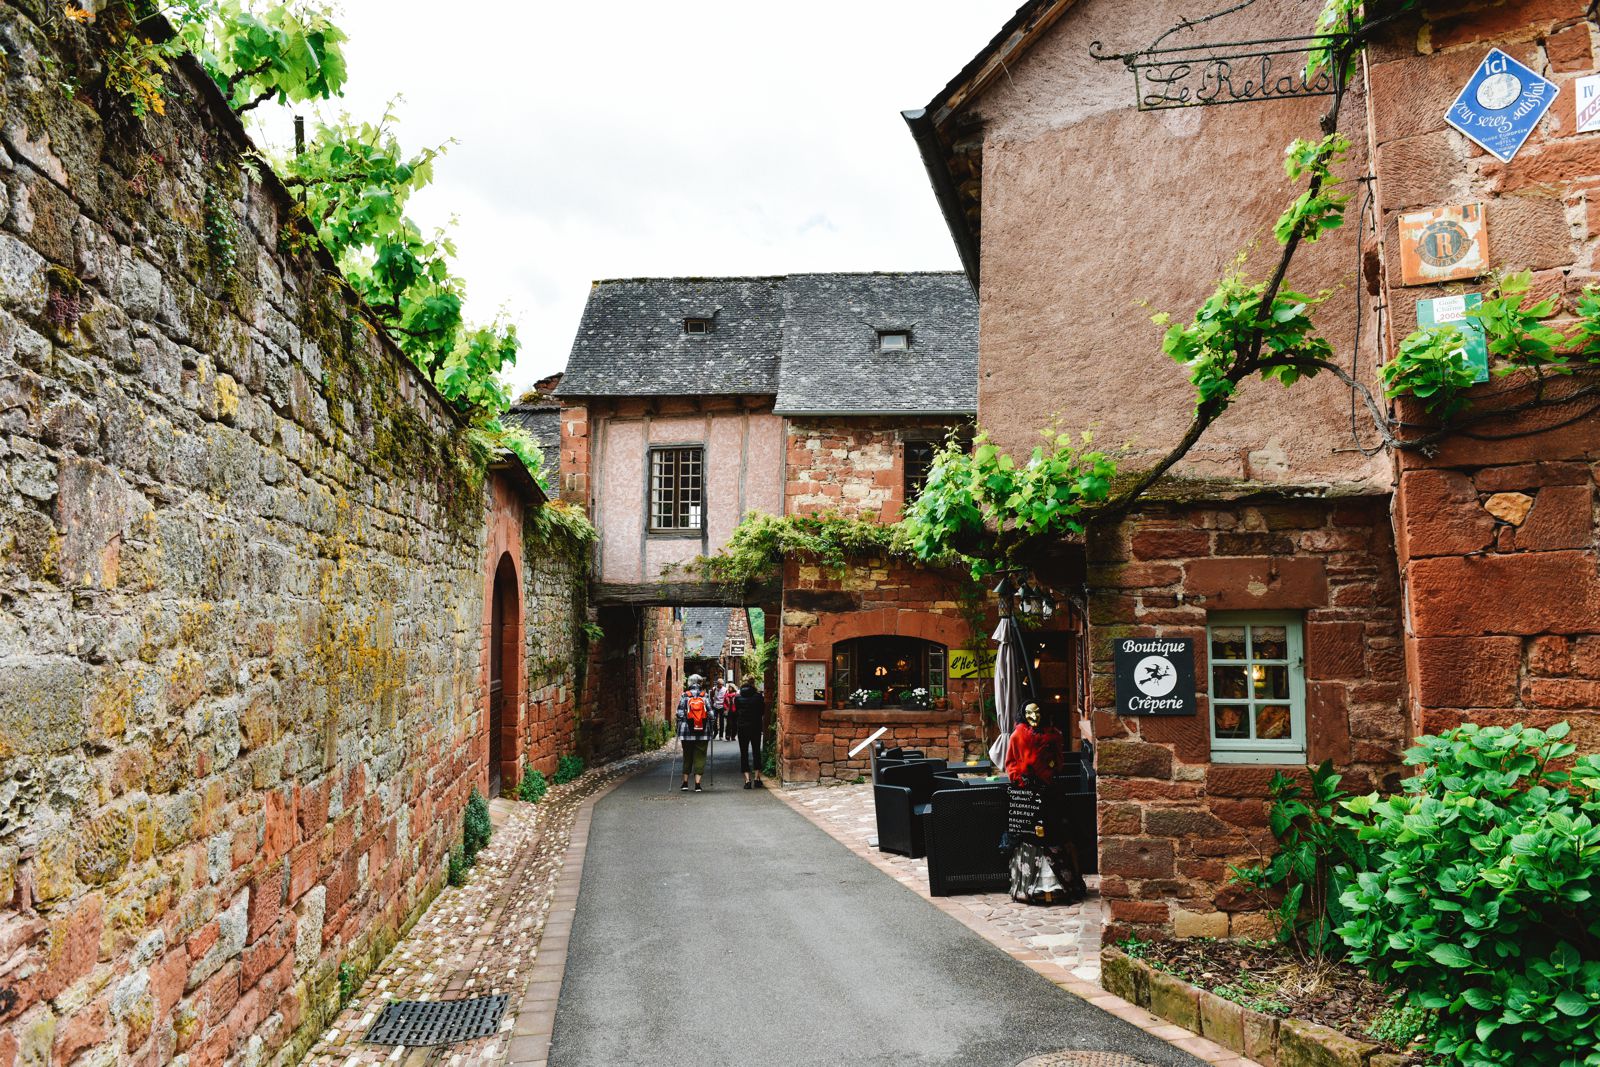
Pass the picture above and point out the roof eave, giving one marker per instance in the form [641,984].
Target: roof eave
[962,413]
[944,190]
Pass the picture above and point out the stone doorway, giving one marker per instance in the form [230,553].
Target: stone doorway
[505,614]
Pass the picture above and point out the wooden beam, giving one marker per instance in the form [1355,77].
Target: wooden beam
[680,594]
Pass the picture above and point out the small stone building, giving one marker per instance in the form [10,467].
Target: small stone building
[689,403]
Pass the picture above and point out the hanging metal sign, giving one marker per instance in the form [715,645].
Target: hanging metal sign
[1234,73]
[1155,676]
[1501,104]
[1452,311]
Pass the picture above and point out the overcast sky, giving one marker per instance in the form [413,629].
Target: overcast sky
[693,137]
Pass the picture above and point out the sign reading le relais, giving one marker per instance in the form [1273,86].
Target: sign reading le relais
[1155,676]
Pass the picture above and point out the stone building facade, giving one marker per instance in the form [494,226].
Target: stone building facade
[1411,591]
[265,618]
[820,394]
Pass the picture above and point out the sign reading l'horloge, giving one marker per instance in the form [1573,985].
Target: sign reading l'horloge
[1155,676]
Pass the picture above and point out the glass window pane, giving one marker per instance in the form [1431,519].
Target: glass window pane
[1228,682]
[1271,683]
[1232,720]
[1272,722]
[1227,642]
[1269,642]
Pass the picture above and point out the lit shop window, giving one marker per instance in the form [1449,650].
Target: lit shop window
[1258,688]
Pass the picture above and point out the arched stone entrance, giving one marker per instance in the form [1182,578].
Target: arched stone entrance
[505,672]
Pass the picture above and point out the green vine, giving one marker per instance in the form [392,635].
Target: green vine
[759,545]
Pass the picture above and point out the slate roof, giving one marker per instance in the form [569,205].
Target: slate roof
[810,340]
[543,423]
[631,341]
[831,363]
[708,626]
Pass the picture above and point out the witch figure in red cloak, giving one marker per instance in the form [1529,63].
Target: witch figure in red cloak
[1044,867]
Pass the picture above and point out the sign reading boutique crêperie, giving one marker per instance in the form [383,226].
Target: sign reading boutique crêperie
[1155,676]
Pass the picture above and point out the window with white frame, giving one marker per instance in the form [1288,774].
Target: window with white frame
[1258,687]
[676,499]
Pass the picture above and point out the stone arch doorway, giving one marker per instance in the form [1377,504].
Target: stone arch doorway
[505,670]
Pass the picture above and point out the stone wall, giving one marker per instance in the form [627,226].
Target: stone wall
[853,467]
[1171,819]
[1497,537]
[243,563]
[821,608]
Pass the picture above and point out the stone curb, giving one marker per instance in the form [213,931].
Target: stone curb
[535,1017]
[1267,1039]
[1187,1041]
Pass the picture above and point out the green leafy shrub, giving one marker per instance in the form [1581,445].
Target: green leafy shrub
[1480,900]
[456,873]
[532,787]
[475,826]
[568,767]
[769,759]
[1315,853]
[1401,1024]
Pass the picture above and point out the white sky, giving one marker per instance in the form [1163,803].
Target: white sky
[694,137]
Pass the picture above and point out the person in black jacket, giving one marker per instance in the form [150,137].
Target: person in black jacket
[750,710]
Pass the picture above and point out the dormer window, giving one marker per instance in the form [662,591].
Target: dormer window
[891,341]
[696,325]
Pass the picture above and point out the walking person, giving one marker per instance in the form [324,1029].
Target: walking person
[730,696]
[750,710]
[696,726]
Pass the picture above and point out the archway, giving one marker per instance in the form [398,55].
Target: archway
[505,613]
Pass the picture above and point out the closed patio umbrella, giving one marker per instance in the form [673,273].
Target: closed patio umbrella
[1008,695]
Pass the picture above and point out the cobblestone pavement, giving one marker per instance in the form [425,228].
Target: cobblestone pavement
[478,939]
[1068,935]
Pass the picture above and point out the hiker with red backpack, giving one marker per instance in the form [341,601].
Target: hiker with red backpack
[696,724]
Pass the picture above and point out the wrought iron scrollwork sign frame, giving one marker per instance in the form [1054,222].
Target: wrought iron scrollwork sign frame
[1233,72]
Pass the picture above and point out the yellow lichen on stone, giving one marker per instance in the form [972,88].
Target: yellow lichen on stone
[227,396]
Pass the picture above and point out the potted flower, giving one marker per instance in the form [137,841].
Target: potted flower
[915,698]
[866,698]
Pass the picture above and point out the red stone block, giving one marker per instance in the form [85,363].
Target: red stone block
[303,868]
[1505,20]
[1465,672]
[311,808]
[266,900]
[1562,517]
[1335,649]
[1137,857]
[74,945]
[1586,657]
[1158,544]
[1138,911]
[264,954]
[1327,723]
[278,835]
[1243,780]
[79,1030]
[1550,655]
[1570,50]
[167,979]
[1248,813]
[1528,593]
[1561,693]
[1438,514]
[1258,583]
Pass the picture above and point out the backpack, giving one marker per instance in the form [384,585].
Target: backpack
[697,711]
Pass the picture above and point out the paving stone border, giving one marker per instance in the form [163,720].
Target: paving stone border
[1267,1039]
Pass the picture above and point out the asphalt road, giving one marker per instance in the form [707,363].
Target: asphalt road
[721,929]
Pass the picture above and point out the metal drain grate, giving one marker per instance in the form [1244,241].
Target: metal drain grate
[437,1022]
[1068,1058]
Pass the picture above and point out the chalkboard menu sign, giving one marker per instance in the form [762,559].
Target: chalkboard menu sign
[1155,676]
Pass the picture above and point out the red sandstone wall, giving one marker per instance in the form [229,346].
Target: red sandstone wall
[853,467]
[1497,538]
[1096,214]
[1171,821]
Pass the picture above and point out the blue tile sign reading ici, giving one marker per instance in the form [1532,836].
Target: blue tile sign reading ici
[1502,103]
